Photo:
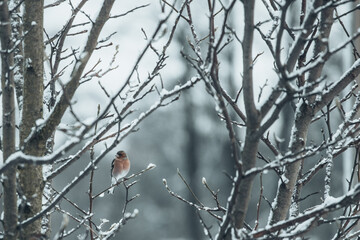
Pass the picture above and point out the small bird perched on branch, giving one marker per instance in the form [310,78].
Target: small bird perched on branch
[120,167]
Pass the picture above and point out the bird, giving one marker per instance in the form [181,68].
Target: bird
[120,167]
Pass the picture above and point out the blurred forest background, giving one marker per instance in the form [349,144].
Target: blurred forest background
[188,136]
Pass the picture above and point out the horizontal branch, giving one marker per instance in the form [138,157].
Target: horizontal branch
[289,158]
[352,197]
[200,207]
[149,167]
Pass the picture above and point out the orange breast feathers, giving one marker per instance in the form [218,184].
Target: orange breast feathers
[121,167]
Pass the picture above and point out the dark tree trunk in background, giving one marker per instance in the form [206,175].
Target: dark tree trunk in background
[191,161]
[191,148]
[8,128]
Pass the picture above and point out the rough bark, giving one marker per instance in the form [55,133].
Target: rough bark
[33,138]
[8,128]
[30,176]
[69,90]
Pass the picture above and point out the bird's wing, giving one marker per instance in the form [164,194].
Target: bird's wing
[112,167]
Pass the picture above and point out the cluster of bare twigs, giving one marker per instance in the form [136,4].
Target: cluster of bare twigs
[302,83]
[96,231]
[69,69]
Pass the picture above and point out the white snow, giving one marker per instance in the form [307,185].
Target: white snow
[39,122]
[162,16]
[203,180]
[331,200]
[151,166]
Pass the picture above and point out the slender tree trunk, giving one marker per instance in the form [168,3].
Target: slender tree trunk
[31,178]
[248,155]
[304,114]
[285,190]
[8,128]
[243,193]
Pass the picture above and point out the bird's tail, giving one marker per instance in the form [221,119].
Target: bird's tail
[111,190]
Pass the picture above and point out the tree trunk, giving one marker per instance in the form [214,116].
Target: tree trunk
[248,155]
[8,128]
[303,116]
[286,187]
[191,146]
[31,178]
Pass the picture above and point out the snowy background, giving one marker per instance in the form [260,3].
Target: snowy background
[187,135]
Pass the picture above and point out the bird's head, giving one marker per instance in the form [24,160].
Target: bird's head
[121,154]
